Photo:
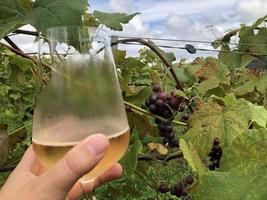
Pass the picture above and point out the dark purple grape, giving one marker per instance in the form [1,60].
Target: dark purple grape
[212,166]
[217,163]
[185,117]
[161,127]
[216,149]
[216,141]
[184,192]
[147,103]
[128,109]
[174,143]
[30,110]
[159,103]
[162,96]
[172,190]
[169,135]
[162,134]
[153,99]
[181,107]
[152,108]
[165,141]
[163,188]
[189,180]
[177,190]
[173,103]
[156,88]
[169,97]
[168,128]
[166,114]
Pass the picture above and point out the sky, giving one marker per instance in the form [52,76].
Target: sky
[204,20]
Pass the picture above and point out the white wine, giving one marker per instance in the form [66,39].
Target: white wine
[49,154]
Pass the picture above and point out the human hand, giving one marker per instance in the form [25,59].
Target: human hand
[60,182]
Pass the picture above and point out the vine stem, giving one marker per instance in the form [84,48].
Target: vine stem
[157,51]
[150,114]
[24,55]
[18,129]
[167,158]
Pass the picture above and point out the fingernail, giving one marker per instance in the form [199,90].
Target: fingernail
[97,144]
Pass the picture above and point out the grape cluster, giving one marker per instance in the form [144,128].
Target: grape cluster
[167,132]
[164,104]
[178,190]
[215,155]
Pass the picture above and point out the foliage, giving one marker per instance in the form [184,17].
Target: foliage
[224,99]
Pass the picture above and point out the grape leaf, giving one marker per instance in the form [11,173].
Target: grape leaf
[227,123]
[243,170]
[129,160]
[229,186]
[11,16]
[243,155]
[43,15]
[214,74]
[155,76]
[256,83]
[192,157]
[139,99]
[258,114]
[142,124]
[113,20]
[27,5]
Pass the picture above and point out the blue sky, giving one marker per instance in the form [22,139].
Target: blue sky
[176,19]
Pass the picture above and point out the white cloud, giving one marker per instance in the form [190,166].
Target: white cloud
[121,5]
[174,21]
[160,10]
[251,8]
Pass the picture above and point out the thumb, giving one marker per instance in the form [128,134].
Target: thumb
[77,162]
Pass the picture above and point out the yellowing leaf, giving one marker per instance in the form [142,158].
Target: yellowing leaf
[258,114]
[192,158]
[159,147]
[212,74]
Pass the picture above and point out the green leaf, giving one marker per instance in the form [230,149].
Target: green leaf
[214,75]
[255,83]
[142,124]
[231,60]
[130,159]
[27,5]
[258,114]
[11,16]
[113,20]
[119,56]
[259,21]
[192,157]
[227,123]
[229,186]
[180,74]
[243,170]
[139,98]
[155,77]
[43,15]
[247,154]
[229,99]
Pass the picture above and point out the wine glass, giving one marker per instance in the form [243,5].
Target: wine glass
[82,97]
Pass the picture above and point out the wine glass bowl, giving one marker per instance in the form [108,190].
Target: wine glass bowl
[81,98]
